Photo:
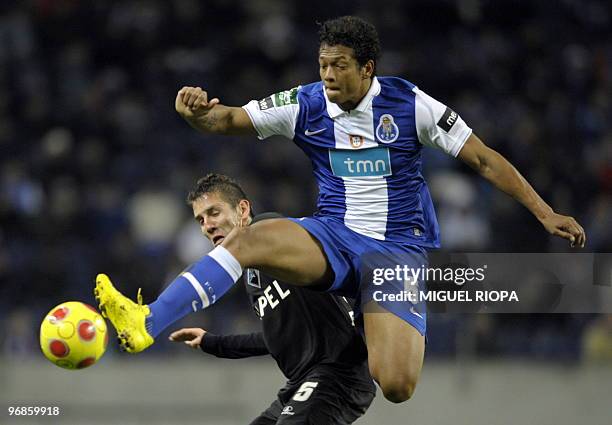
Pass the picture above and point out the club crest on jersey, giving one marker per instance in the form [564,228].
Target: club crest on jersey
[387,131]
[355,141]
[253,278]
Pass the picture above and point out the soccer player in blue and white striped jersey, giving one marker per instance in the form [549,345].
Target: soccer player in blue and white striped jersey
[364,135]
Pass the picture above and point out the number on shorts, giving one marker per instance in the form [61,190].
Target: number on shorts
[305,391]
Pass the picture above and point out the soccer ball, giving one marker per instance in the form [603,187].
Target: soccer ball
[73,335]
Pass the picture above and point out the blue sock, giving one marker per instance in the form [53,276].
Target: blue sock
[199,286]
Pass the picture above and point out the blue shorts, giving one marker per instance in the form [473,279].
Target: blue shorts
[369,270]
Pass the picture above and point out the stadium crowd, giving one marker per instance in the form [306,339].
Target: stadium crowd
[95,163]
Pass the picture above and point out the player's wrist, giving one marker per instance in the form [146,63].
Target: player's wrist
[543,212]
[208,340]
[544,216]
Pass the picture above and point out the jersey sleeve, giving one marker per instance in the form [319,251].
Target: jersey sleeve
[234,346]
[438,125]
[275,115]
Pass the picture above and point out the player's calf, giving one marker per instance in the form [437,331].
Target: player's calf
[395,353]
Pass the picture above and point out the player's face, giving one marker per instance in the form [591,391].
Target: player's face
[346,82]
[217,217]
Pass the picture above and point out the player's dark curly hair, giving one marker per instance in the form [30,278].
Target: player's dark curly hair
[225,186]
[353,32]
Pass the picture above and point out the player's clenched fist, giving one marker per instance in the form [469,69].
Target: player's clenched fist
[565,227]
[192,102]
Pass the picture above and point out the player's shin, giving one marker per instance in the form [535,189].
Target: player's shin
[197,287]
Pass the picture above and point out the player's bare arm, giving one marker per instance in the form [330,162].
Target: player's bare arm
[496,169]
[209,116]
[190,336]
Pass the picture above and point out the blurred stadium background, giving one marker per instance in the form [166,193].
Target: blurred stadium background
[95,165]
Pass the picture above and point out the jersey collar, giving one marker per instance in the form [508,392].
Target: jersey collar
[334,110]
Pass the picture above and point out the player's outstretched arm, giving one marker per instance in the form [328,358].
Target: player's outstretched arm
[222,346]
[210,116]
[495,168]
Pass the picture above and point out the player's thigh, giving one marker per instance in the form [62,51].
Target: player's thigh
[395,350]
[282,249]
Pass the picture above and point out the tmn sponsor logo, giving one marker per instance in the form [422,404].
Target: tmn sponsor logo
[361,163]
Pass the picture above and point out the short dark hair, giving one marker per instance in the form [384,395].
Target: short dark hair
[228,188]
[353,32]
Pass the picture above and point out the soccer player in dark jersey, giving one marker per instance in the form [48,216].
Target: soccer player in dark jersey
[310,334]
[364,135]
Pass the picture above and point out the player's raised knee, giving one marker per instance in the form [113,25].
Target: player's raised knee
[397,386]
[247,245]
[249,239]
[239,239]
[398,389]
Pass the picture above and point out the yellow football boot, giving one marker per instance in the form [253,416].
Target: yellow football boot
[127,317]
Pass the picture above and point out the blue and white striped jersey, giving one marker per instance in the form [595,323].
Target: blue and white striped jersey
[367,161]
